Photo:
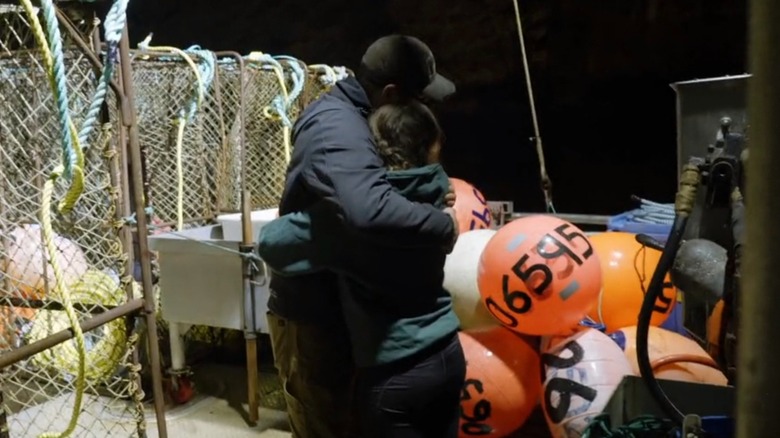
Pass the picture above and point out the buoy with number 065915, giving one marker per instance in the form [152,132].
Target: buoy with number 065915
[471,208]
[539,275]
[581,374]
[502,384]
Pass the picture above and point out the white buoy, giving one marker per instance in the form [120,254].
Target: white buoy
[460,280]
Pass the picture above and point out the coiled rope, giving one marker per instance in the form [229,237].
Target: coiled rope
[645,426]
[328,75]
[650,212]
[104,352]
[71,168]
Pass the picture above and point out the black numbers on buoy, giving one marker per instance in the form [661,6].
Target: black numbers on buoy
[555,361]
[570,238]
[500,314]
[526,274]
[515,300]
[663,303]
[539,274]
[480,217]
[565,388]
[473,424]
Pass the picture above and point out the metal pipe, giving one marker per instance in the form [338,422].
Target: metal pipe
[224,138]
[3,418]
[143,243]
[186,221]
[250,325]
[758,382]
[29,350]
[52,305]
[584,219]
[121,178]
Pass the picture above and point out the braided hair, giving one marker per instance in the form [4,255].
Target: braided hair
[407,135]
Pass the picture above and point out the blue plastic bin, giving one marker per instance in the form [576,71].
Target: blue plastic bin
[675,321]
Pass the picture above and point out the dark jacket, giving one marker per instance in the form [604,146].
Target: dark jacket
[334,159]
[392,296]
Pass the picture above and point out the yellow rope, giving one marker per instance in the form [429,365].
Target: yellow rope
[66,205]
[268,110]
[93,288]
[181,122]
[77,185]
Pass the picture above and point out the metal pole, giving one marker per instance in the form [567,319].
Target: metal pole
[250,325]
[29,350]
[758,382]
[143,243]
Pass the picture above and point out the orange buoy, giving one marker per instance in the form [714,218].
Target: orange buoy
[626,268]
[539,275]
[502,385]
[581,374]
[471,208]
[26,271]
[28,266]
[713,329]
[674,357]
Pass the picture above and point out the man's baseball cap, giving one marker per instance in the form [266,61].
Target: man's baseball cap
[408,63]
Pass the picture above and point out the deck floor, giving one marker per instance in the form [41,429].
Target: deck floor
[219,410]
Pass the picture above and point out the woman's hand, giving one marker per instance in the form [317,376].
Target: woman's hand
[450,197]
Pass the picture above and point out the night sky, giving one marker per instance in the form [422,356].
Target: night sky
[601,71]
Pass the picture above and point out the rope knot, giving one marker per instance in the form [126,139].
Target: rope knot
[690,178]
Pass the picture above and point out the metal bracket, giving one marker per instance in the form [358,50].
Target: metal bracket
[691,427]
[501,211]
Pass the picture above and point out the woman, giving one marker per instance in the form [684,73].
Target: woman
[402,327]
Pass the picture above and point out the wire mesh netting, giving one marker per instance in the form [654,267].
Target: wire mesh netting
[265,143]
[164,87]
[216,138]
[39,391]
[212,141]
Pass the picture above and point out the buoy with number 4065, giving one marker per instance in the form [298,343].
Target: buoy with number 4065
[539,275]
[502,384]
[471,208]
[581,374]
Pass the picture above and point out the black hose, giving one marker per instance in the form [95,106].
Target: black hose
[643,325]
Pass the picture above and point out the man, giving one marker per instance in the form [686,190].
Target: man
[335,159]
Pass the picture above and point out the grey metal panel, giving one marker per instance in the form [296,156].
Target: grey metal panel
[701,103]
[201,283]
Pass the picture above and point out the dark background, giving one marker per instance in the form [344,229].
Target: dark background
[601,71]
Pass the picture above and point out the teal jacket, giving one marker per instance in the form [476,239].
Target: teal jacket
[392,297]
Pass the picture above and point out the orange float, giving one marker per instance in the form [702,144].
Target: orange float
[471,208]
[502,384]
[674,357]
[27,273]
[713,329]
[539,275]
[581,374]
[29,270]
[627,267]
